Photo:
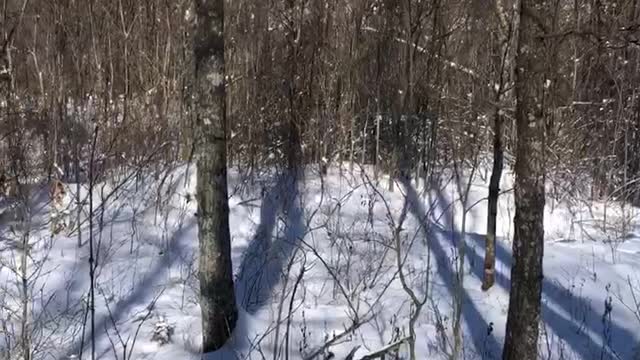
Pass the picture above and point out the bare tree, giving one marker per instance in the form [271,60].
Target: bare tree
[532,85]
[217,298]
[503,72]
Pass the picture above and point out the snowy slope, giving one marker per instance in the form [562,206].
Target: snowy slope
[315,263]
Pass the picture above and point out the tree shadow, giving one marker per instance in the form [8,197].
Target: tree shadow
[581,326]
[50,294]
[485,342]
[264,260]
[139,294]
[584,335]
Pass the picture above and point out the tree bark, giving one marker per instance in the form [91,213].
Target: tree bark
[504,66]
[494,192]
[521,341]
[217,298]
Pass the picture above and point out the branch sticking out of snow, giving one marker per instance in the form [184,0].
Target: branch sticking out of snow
[382,352]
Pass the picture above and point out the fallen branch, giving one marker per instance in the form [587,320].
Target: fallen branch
[385,350]
[328,344]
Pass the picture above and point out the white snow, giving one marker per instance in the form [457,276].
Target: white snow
[328,241]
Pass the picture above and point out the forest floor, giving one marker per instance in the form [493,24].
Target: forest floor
[317,271]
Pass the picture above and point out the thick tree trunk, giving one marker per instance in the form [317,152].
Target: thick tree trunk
[217,298]
[494,192]
[521,341]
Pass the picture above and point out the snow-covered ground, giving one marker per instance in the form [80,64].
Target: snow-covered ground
[317,271]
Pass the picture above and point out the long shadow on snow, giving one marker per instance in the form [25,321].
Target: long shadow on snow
[485,344]
[140,293]
[573,331]
[567,329]
[264,260]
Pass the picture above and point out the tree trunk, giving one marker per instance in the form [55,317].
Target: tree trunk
[217,298]
[504,64]
[521,341]
[293,130]
[494,192]
[376,163]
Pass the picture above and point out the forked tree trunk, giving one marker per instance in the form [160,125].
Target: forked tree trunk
[217,298]
[521,340]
